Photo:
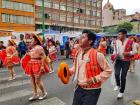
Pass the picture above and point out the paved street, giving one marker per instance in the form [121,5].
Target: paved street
[18,91]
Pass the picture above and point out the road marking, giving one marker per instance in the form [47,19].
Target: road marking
[5,79]
[14,84]
[15,95]
[51,101]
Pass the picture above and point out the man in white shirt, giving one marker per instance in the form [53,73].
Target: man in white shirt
[124,49]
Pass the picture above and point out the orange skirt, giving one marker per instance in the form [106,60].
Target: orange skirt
[11,61]
[34,68]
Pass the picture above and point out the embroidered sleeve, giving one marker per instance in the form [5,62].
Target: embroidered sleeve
[134,49]
[40,50]
[105,74]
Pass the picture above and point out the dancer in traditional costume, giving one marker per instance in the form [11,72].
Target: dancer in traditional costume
[124,51]
[10,58]
[102,46]
[52,53]
[136,56]
[75,48]
[90,70]
[35,66]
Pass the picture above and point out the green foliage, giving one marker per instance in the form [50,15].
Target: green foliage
[126,25]
[111,29]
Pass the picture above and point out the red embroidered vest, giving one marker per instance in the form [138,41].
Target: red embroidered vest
[92,67]
[128,48]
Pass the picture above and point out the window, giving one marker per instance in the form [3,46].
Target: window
[99,4]
[3,17]
[83,1]
[88,2]
[88,12]
[98,23]
[62,18]
[4,3]
[11,18]
[17,19]
[82,21]
[56,5]
[69,19]
[94,4]
[77,1]
[38,14]
[55,17]
[93,22]
[63,7]
[94,13]
[76,20]
[70,9]
[48,4]
[87,22]
[99,14]
[17,6]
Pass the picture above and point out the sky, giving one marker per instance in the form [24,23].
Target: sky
[131,6]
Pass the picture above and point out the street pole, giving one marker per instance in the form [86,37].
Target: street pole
[138,26]
[43,19]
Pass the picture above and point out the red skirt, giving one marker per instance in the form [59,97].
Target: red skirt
[53,57]
[34,68]
[2,55]
[11,61]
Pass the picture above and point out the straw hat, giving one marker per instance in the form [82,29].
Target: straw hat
[39,39]
[12,42]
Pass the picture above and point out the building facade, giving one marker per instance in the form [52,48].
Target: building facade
[17,16]
[111,16]
[70,15]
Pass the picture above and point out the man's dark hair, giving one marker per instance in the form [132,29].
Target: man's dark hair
[91,35]
[1,42]
[21,36]
[123,31]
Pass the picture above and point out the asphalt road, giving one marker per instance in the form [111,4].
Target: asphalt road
[18,91]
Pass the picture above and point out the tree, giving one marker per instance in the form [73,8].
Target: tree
[126,25]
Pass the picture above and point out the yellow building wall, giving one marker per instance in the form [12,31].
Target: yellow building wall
[18,27]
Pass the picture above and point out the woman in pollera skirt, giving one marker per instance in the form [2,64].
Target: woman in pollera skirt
[36,67]
[52,53]
[11,58]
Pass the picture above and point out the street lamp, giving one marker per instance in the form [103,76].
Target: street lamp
[43,19]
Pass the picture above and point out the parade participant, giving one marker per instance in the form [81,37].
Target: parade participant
[22,47]
[125,49]
[102,46]
[90,70]
[52,53]
[11,58]
[2,46]
[67,49]
[36,67]
[75,48]
[135,57]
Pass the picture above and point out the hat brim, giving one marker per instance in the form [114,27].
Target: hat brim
[11,41]
[39,39]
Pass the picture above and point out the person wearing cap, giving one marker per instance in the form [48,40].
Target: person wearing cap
[11,58]
[90,70]
[36,68]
